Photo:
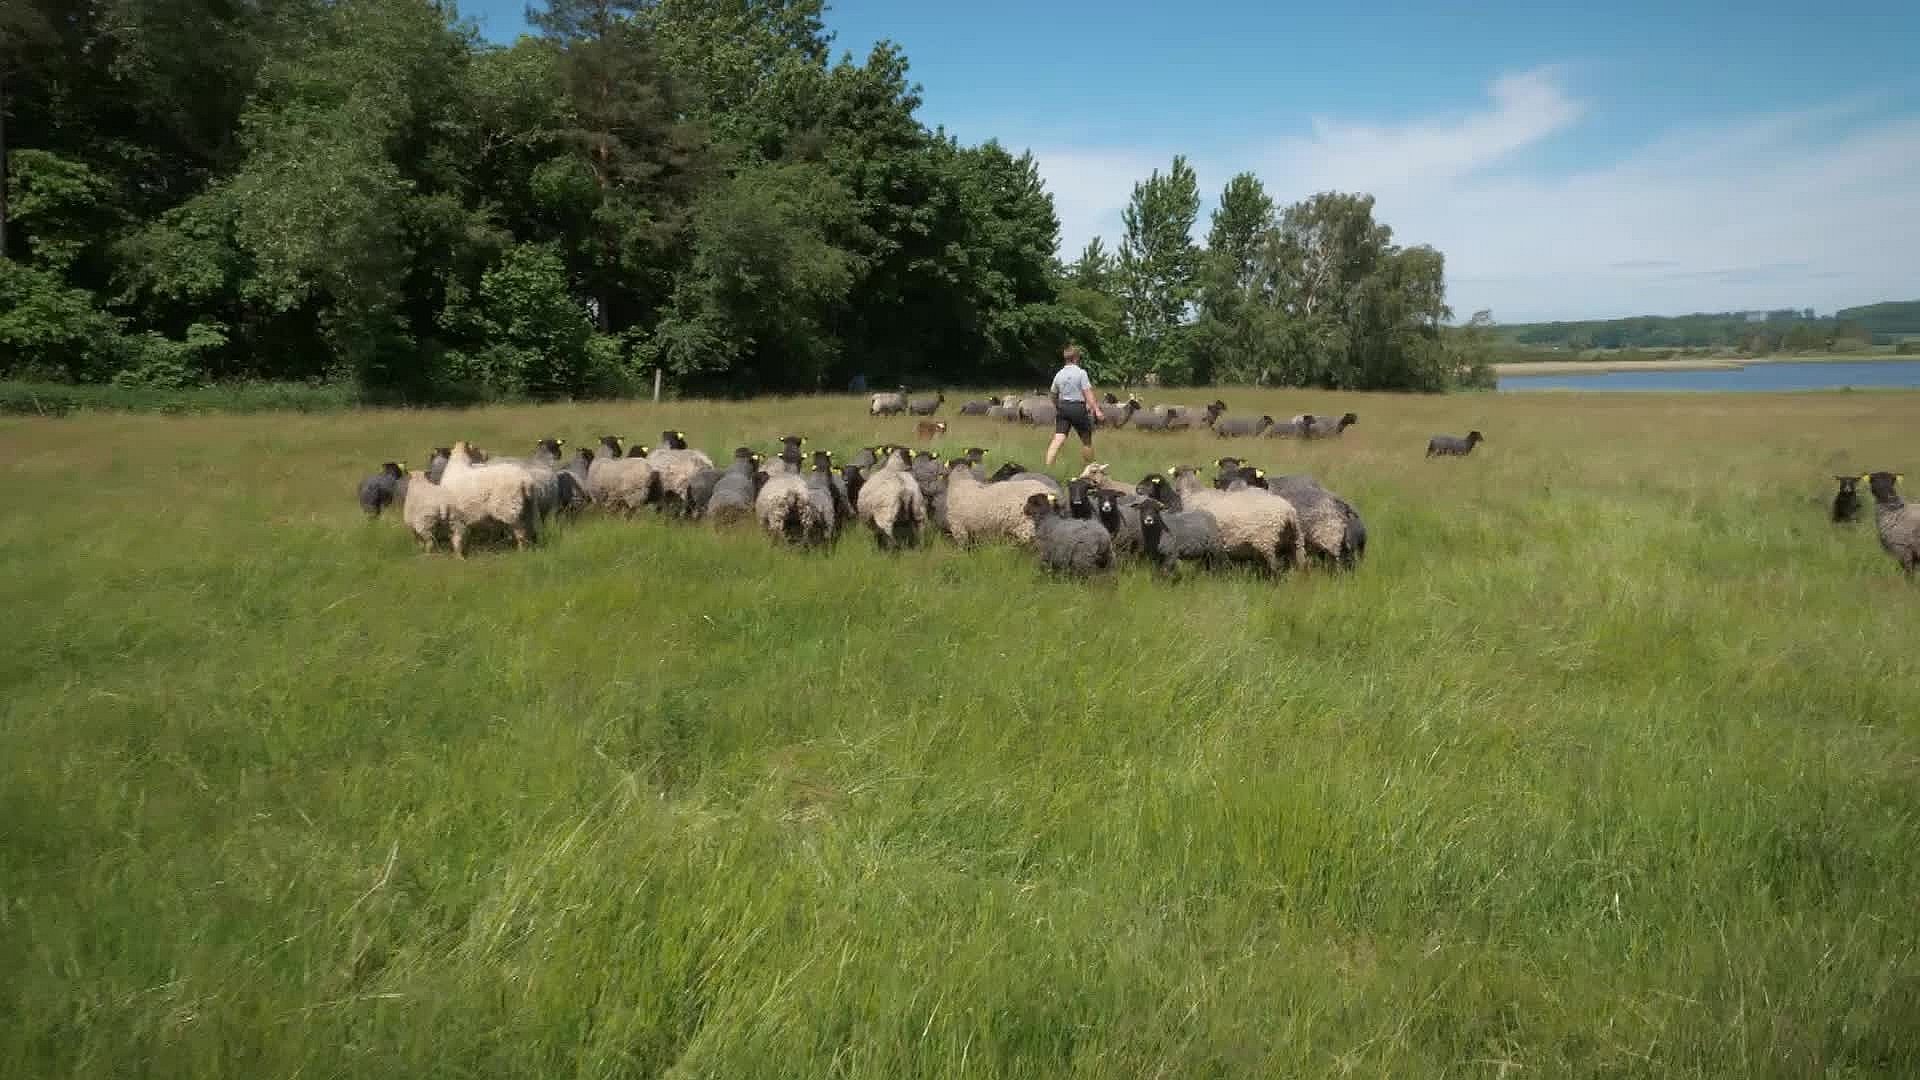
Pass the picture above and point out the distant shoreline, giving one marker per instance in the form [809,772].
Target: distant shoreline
[1601,367]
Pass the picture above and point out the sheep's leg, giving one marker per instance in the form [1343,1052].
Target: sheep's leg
[459,541]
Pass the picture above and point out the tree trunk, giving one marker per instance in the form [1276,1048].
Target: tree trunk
[3,163]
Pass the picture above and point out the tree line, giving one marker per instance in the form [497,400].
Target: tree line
[364,192]
[1780,330]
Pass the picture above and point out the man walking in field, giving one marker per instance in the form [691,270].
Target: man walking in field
[1074,406]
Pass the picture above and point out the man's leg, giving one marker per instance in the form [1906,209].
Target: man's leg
[1053,448]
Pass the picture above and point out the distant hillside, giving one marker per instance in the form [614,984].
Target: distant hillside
[1758,331]
[1890,321]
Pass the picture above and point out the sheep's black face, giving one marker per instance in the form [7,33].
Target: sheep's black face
[928,455]
[1884,485]
[1349,420]
[1227,464]
[1006,472]
[612,444]
[823,459]
[584,455]
[391,470]
[1475,437]
[1150,516]
[1848,484]
[743,453]
[793,442]
[1039,504]
[975,453]
[673,440]
[551,446]
[1154,486]
[1078,505]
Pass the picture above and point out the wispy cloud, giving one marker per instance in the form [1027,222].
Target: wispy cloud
[1794,209]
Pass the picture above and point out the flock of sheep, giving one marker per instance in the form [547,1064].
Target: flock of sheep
[1239,515]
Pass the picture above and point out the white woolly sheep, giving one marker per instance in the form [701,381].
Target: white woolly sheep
[888,404]
[495,492]
[1253,524]
[783,507]
[425,509]
[977,511]
[619,483]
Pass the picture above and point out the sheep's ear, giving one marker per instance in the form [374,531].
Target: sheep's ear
[1260,474]
[1169,470]
[1052,499]
[1899,478]
[1868,477]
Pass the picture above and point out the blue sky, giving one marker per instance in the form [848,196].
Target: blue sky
[1580,163]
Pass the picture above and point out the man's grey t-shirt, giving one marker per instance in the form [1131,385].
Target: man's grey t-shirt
[1070,383]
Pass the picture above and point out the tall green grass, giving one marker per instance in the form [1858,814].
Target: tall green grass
[1606,762]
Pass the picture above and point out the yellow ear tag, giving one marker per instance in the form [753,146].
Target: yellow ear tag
[1866,477]
[1260,474]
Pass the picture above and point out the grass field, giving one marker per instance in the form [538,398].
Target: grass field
[1606,762]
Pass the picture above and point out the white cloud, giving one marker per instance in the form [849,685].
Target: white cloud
[1808,208]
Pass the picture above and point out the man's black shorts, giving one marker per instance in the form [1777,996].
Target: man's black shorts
[1073,415]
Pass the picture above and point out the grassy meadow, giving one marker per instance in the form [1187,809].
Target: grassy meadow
[1606,762]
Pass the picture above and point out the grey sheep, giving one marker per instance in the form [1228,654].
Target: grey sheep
[1846,501]
[621,483]
[927,406]
[979,408]
[1228,427]
[377,492]
[1899,523]
[825,500]
[437,462]
[1042,414]
[1119,514]
[1450,446]
[1300,427]
[1149,420]
[1322,427]
[1169,537]
[1067,545]
[1116,414]
[700,488]
[733,494]
[1003,412]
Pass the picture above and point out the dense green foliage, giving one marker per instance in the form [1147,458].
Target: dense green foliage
[363,192]
[1602,765]
[1758,333]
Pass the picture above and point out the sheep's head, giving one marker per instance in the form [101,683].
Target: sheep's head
[1849,484]
[440,453]
[793,442]
[1306,420]
[1349,420]
[551,446]
[1095,474]
[928,455]
[1883,485]
[1185,478]
[1156,486]
[1007,472]
[1041,503]
[1150,519]
[393,469]
[1216,407]
[993,399]
[584,455]
[1474,438]
[1078,504]
[1226,464]
[611,444]
[823,459]
[1134,404]
[975,453]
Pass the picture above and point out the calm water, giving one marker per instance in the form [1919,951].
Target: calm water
[1756,377]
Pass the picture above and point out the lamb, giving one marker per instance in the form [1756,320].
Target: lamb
[1322,427]
[1168,537]
[1449,446]
[927,406]
[1067,545]
[888,404]
[785,507]
[437,462]
[1846,501]
[889,501]
[500,492]
[379,491]
[1899,523]
[425,509]
[1228,427]
[1254,525]
[621,483]
[927,430]
[979,408]
[674,466]
[734,492]
[977,511]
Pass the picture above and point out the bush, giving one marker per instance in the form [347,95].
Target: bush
[59,399]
